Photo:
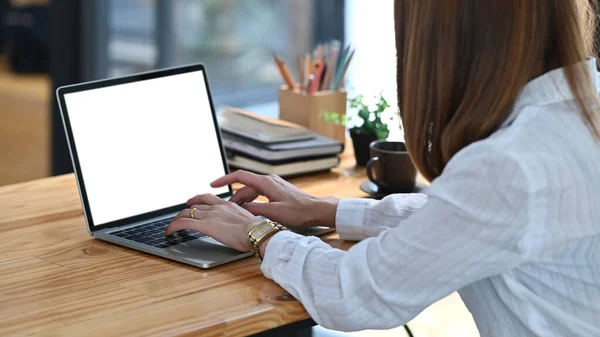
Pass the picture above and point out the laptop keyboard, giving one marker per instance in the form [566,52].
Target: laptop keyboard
[153,234]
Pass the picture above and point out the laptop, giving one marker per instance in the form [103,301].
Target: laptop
[141,146]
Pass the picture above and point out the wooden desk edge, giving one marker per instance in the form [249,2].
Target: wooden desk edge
[29,206]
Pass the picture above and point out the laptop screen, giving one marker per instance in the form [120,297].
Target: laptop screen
[146,145]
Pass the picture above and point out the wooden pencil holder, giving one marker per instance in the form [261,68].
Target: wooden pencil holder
[323,111]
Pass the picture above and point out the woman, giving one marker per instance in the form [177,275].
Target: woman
[499,104]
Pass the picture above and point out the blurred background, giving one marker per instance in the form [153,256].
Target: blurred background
[46,44]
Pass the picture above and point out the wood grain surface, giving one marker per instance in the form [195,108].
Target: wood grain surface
[55,280]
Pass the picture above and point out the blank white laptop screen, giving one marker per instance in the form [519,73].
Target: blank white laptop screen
[145,145]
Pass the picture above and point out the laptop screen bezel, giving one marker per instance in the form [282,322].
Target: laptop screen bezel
[79,174]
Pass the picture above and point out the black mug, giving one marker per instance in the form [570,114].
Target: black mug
[390,167]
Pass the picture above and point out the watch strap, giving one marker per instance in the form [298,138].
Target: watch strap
[255,241]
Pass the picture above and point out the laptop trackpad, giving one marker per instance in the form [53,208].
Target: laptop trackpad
[208,243]
[205,248]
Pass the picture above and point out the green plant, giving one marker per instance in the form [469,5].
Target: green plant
[370,116]
[332,117]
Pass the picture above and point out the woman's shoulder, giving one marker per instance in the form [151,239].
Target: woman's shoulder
[542,167]
[550,146]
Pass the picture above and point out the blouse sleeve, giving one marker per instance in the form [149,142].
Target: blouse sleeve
[469,229]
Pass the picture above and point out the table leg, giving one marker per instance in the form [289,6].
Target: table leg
[297,329]
[304,329]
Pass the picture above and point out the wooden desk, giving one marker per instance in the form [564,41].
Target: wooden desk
[55,280]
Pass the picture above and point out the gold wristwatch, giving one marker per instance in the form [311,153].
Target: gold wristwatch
[261,232]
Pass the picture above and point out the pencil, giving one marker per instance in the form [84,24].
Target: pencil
[340,66]
[322,77]
[288,78]
[343,72]
[331,65]
[316,54]
[307,71]
[300,72]
[314,85]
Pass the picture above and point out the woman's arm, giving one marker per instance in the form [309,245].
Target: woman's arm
[469,229]
[357,219]
[354,219]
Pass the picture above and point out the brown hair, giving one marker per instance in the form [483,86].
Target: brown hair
[462,64]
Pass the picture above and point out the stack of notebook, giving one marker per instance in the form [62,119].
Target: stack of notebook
[268,146]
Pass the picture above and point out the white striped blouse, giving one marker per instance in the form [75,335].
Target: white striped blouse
[512,224]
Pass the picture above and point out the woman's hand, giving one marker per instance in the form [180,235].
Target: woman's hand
[222,220]
[287,205]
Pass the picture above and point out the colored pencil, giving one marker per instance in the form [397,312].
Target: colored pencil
[340,78]
[288,78]
[316,80]
[331,65]
[307,71]
[300,72]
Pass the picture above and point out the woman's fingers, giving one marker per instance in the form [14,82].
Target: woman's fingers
[239,176]
[187,223]
[186,213]
[206,199]
[259,182]
[227,224]
[244,195]
[267,209]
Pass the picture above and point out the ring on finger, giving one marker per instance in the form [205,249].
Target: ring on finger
[194,209]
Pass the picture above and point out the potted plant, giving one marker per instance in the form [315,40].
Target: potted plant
[368,125]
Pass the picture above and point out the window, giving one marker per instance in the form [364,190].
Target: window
[234,39]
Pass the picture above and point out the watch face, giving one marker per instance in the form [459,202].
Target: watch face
[262,230]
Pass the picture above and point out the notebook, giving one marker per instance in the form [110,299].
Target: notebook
[260,128]
[276,152]
[284,170]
